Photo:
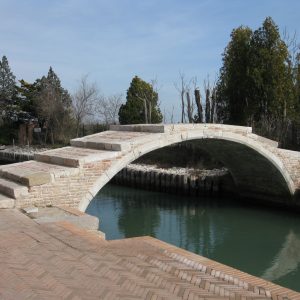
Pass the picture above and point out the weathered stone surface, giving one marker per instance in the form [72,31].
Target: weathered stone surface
[12,189]
[60,214]
[73,156]
[33,173]
[111,140]
[38,178]
[31,209]
[6,202]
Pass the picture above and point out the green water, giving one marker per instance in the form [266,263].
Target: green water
[260,241]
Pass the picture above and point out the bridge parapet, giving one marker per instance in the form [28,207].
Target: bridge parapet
[168,128]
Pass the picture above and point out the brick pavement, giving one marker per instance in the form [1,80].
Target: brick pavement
[61,261]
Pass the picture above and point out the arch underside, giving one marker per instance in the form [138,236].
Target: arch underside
[255,175]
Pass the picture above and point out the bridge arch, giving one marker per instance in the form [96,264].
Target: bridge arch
[257,169]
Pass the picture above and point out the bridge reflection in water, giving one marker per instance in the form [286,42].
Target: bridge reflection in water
[259,241]
[287,260]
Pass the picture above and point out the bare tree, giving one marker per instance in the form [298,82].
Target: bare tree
[190,107]
[199,105]
[207,105]
[154,93]
[292,44]
[53,105]
[48,108]
[182,89]
[84,100]
[145,101]
[210,100]
[108,108]
[213,105]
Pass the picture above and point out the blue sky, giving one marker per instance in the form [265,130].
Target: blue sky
[114,40]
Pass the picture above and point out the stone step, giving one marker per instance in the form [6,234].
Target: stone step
[74,156]
[112,140]
[6,202]
[12,189]
[33,173]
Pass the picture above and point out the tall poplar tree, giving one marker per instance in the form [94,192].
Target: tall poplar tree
[256,86]
[233,85]
[271,79]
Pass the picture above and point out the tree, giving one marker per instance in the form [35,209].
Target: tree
[210,99]
[8,92]
[190,107]
[182,89]
[190,99]
[233,84]
[7,80]
[84,101]
[199,117]
[25,99]
[256,83]
[53,107]
[271,81]
[108,108]
[141,104]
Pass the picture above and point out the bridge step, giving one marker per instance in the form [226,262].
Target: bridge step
[111,140]
[6,202]
[12,189]
[33,173]
[74,156]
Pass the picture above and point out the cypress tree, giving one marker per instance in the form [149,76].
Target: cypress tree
[141,104]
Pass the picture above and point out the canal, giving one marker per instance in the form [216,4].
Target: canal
[261,241]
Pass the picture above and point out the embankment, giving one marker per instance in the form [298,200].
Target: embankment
[184,181]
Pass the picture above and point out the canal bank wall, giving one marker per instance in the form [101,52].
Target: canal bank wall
[14,157]
[180,181]
[15,154]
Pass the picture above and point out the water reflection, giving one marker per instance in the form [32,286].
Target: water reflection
[258,241]
[287,260]
[137,217]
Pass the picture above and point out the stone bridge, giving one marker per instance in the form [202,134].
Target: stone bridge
[73,175]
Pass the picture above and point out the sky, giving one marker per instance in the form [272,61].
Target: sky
[111,41]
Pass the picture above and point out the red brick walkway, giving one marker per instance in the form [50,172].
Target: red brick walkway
[60,261]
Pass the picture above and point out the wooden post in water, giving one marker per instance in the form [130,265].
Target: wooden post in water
[163,182]
[152,180]
[192,185]
[157,181]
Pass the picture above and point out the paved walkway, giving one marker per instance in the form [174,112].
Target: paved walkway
[61,261]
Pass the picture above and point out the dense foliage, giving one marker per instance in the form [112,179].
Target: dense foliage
[44,104]
[141,105]
[7,90]
[257,84]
